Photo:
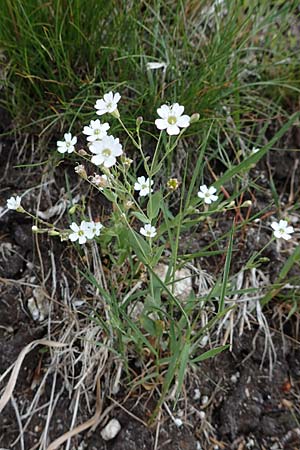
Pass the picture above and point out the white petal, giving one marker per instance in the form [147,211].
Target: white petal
[87,130]
[109,162]
[141,180]
[200,194]
[214,198]
[96,147]
[177,109]
[74,140]
[286,236]
[68,137]
[73,237]
[82,239]
[61,143]
[97,160]
[289,230]
[163,111]
[161,124]
[74,227]
[117,97]
[277,234]
[283,223]
[212,190]
[207,200]
[173,130]
[275,226]
[183,121]
[61,149]
[204,188]
[100,112]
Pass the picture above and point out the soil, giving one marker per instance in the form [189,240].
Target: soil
[238,400]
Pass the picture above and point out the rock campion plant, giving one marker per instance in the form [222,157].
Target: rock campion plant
[143,231]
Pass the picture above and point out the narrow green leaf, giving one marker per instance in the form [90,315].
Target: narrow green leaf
[210,353]
[154,204]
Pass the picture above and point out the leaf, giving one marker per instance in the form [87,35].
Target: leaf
[140,216]
[293,258]
[254,158]
[210,353]
[226,271]
[139,246]
[154,205]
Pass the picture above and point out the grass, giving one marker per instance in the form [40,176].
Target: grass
[231,65]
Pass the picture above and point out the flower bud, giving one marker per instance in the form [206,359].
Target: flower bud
[246,204]
[126,161]
[80,170]
[73,208]
[53,233]
[194,118]
[139,121]
[82,152]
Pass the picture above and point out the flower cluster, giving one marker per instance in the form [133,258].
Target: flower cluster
[85,231]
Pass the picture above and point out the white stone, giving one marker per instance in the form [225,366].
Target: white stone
[178,422]
[182,286]
[38,305]
[197,394]
[111,430]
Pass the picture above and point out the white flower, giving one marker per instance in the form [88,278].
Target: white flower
[68,144]
[208,194]
[96,130]
[172,118]
[107,104]
[255,150]
[81,232]
[95,227]
[144,186]
[282,230]
[106,151]
[148,231]
[14,203]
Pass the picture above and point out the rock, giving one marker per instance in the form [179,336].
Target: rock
[183,285]
[111,430]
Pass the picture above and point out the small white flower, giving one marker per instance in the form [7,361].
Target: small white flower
[143,185]
[207,194]
[81,232]
[95,227]
[106,151]
[172,118]
[148,230]
[14,203]
[282,230]
[255,150]
[107,104]
[96,130]
[68,145]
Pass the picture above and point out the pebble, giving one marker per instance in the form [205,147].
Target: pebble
[111,430]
